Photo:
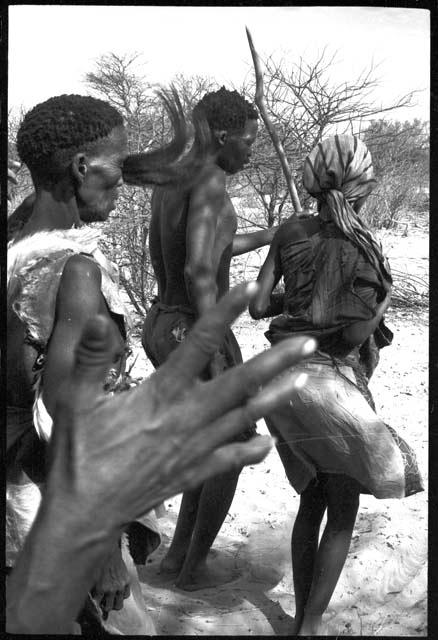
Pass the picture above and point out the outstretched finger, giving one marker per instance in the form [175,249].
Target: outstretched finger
[278,393]
[229,390]
[207,335]
[229,457]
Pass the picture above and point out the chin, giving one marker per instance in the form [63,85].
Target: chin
[231,171]
[95,215]
[104,215]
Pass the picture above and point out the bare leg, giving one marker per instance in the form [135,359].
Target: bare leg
[215,501]
[175,556]
[305,535]
[342,494]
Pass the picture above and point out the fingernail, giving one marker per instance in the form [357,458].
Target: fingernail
[251,288]
[261,442]
[309,346]
[301,380]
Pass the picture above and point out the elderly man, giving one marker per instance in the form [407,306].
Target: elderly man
[192,240]
[66,329]
[74,147]
[184,424]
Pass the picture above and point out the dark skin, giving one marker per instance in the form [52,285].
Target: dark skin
[317,564]
[192,240]
[97,440]
[86,192]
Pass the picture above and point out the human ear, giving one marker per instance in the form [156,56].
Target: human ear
[80,166]
[221,136]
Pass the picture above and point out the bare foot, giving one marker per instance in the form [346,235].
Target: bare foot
[171,564]
[205,577]
[311,626]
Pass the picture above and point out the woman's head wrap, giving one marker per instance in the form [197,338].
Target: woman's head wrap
[338,172]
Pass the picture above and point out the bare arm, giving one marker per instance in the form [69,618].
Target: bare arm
[244,242]
[97,442]
[158,205]
[206,202]
[78,300]
[265,303]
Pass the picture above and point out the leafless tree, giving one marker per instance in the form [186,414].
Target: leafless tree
[305,105]
[400,152]
[192,88]
[24,186]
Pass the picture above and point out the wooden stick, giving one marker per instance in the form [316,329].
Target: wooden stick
[260,102]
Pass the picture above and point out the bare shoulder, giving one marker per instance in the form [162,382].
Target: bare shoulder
[80,266]
[80,280]
[211,182]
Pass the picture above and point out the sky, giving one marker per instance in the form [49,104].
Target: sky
[51,47]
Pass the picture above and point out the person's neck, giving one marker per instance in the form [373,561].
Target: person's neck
[212,161]
[53,210]
[210,155]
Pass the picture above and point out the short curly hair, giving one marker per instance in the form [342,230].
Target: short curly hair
[58,128]
[226,109]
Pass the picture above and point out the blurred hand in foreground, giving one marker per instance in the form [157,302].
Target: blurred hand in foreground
[123,455]
[114,458]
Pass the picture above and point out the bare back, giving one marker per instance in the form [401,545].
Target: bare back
[192,231]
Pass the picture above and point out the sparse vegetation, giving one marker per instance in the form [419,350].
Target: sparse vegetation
[305,106]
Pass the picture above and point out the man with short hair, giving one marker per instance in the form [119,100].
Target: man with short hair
[110,458]
[192,240]
[74,147]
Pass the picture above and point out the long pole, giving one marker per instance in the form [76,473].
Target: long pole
[260,102]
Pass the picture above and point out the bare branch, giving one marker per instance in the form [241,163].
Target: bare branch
[259,100]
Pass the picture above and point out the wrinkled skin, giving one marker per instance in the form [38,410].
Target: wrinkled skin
[172,427]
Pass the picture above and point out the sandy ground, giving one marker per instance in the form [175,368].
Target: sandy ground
[382,590]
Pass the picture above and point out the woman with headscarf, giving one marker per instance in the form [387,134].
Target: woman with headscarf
[337,286]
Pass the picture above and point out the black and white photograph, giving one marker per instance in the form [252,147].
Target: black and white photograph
[217,360]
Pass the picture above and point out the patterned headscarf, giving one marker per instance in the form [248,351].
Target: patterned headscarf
[337,172]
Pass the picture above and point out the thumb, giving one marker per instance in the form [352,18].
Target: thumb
[93,354]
